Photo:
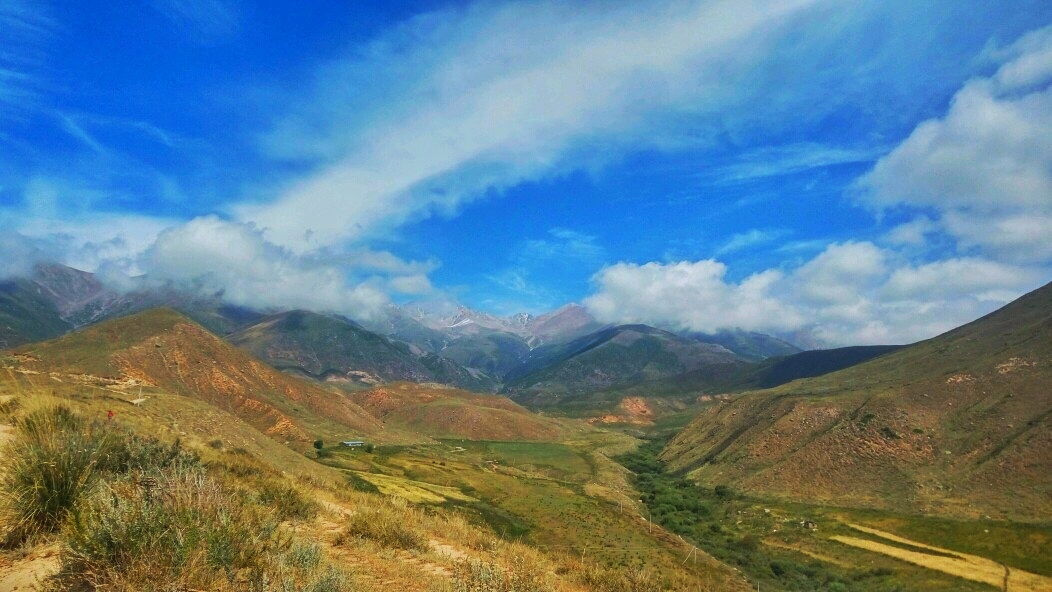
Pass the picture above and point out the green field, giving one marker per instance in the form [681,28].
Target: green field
[559,497]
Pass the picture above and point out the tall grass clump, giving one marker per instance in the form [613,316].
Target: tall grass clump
[285,500]
[51,464]
[602,579]
[54,460]
[392,523]
[180,529]
[473,575]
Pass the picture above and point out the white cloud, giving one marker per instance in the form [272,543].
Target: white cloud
[461,102]
[850,294]
[841,274]
[690,295]
[981,279]
[916,232]
[211,255]
[986,167]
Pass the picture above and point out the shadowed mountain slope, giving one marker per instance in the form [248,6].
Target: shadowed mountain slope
[749,345]
[960,425]
[332,348]
[621,356]
[779,371]
[26,315]
[165,351]
[444,412]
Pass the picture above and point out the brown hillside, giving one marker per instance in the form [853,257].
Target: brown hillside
[959,425]
[445,412]
[165,351]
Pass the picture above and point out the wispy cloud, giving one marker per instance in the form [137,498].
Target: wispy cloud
[458,103]
[774,161]
[747,240]
[207,21]
[563,253]
[74,129]
[24,29]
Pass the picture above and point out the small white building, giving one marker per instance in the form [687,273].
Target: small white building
[353,443]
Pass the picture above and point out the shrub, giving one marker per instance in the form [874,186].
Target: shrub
[186,531]
[618,580]
[51,465]
[286,501]
[389,525]
[473,575]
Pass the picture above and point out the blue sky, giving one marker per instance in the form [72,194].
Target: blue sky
[843,172]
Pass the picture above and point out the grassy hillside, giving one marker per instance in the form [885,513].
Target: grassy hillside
[959,425]
[161,352]
[250,514]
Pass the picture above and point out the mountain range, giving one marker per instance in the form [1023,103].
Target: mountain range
[450,345]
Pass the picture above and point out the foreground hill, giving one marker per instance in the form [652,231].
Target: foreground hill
[331,348]
[164,351]
[444,412]
[956,425]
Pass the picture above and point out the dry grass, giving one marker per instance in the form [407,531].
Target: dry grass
[249,511]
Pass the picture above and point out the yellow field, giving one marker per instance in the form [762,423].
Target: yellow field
[415,491]
[970,567]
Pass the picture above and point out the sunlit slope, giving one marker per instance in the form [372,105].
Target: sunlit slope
[163,351]
[957,425]
[445,412]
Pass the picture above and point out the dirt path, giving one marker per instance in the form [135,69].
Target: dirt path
[970,567]
[25,574]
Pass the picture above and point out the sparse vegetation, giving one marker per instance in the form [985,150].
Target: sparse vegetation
[741,532]
[473,575]
[391,524]
[134,513]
